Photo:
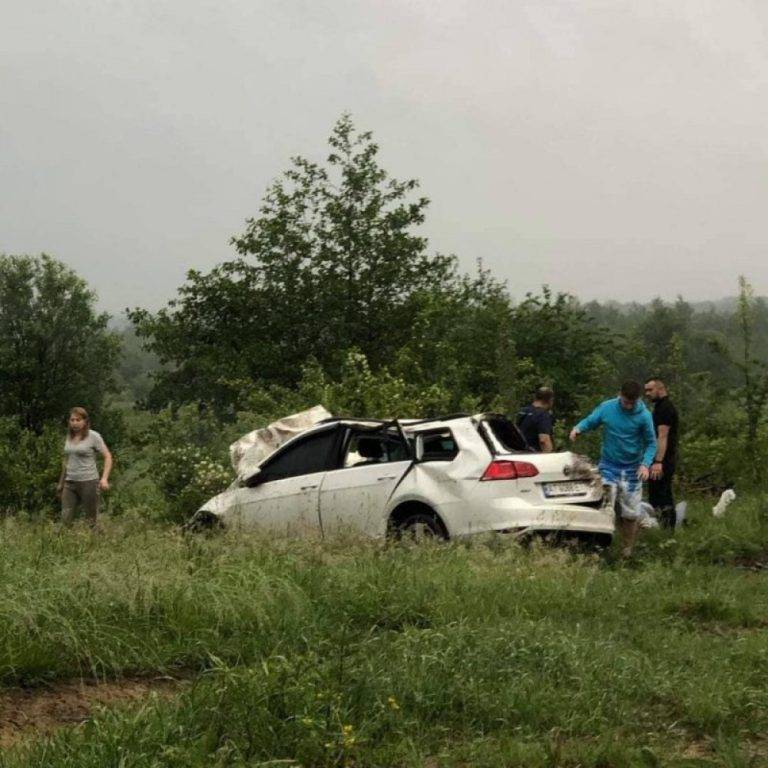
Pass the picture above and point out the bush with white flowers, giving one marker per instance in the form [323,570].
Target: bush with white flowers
[188,476]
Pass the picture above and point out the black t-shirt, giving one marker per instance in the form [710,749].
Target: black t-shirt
[665,414]
[532,422]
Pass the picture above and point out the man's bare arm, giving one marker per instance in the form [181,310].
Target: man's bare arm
[545,443]
[662,440]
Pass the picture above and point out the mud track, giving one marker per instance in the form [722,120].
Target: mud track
[39,711]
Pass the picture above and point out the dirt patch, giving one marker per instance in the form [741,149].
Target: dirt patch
[752,563]
[699,750]
[751,747]
[39,711]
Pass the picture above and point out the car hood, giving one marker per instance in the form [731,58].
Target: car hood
[221,503]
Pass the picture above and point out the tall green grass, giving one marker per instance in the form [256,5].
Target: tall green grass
[350,653]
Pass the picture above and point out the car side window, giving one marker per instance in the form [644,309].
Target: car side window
[439,445]
[365,448]
[314,454]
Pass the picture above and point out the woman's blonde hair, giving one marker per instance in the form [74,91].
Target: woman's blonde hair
[83,414]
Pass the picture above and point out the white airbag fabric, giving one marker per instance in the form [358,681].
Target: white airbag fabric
[247,453]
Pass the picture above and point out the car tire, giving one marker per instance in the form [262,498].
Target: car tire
[203,522]
[420,526]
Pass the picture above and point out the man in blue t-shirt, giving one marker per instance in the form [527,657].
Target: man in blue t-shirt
[535,421]
[629,445]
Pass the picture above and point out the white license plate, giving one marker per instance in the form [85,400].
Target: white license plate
[569,488]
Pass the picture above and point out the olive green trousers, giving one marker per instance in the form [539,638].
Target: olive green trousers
[80,493]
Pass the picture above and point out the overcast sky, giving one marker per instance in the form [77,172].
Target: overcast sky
[612,148]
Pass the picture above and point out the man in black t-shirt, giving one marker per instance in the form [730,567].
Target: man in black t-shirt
[663,468]
[535,421]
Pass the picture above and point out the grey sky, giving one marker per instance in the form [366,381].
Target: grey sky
[615,148]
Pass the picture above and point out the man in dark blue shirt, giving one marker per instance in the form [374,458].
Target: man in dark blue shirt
[536,423]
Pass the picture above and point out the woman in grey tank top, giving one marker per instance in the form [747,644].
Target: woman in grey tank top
[80,484]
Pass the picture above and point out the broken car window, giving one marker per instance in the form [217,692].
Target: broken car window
[506,434]
[313,454]
[439,445]
[366,448]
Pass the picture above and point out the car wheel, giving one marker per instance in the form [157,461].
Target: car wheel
[202,522]
[420,527]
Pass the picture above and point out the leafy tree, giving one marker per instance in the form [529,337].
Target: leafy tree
[55,349]
[754,372]
[663,334]
[330,264]
[30,464]
[567,350]
[462,342]
[135,367]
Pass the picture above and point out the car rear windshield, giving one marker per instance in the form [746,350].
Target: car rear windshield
[506,434]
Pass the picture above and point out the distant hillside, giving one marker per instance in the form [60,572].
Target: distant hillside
[724,306]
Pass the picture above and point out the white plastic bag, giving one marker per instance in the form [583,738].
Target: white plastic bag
[647,520]
[726,497]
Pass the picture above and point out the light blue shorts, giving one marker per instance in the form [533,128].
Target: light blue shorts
[625,487]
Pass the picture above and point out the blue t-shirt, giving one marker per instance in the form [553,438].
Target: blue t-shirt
[629,438]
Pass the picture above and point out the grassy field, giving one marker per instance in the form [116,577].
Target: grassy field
[347,653]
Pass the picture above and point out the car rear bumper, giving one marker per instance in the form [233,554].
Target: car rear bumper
[510,514]
[582,520]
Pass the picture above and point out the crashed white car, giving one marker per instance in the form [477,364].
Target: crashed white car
[445,477]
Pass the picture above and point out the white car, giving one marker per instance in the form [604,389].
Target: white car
[448,477]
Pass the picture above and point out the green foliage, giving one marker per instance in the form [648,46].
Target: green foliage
[135,368]
[359,391]
[30,465]
[55,349]
[188,477]
[335,271]
[714,361]
[462,344]
[663,334]
[565,347]
[334,299]
[330,264]
[173,461]
[180,453]
[754,374]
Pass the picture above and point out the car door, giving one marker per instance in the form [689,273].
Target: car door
[354,496]
[284,497]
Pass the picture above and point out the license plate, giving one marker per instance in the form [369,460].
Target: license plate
[569,488]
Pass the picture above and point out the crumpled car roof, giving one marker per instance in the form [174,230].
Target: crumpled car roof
[249,451]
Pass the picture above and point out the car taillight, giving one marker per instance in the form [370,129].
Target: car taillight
[501,469]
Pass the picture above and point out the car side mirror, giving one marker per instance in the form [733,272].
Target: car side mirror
[418,450]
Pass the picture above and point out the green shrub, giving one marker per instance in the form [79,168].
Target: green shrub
[187,477]
[30,466]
